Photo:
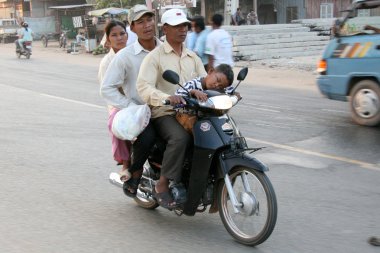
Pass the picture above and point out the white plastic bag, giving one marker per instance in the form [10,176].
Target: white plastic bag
[129,122]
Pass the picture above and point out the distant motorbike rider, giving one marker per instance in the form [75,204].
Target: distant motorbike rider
[25,34]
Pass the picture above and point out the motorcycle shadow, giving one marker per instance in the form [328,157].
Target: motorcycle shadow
[161,223]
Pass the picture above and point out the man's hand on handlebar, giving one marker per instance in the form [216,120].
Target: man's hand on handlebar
[175,100]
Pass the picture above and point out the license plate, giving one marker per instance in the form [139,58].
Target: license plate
[28,47]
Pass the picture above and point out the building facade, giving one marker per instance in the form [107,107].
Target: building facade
[275,11]
[32,8]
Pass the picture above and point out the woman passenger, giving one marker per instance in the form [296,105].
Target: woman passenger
[116,36]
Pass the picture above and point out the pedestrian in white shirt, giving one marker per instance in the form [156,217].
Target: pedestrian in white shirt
[122,75]
[219,44]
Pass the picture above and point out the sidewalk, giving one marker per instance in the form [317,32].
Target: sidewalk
[295,72]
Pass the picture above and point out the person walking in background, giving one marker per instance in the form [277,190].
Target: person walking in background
[200,44]
[252,18]
[192,36]
[218,44]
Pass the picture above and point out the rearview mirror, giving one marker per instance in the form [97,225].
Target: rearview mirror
[171,76]
[242,74]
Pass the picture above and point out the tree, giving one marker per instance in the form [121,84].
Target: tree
[100,4]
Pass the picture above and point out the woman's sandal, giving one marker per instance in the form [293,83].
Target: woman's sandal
[125,175]
[130,187]
[164,199]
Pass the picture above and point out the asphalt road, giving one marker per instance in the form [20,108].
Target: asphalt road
[55,159]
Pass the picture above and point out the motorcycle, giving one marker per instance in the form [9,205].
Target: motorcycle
[222,173]
[26,50]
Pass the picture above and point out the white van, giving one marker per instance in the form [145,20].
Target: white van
[8,26]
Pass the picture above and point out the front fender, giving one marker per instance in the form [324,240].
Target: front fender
[243,160]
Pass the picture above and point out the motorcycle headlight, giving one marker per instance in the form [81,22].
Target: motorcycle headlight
[222,102]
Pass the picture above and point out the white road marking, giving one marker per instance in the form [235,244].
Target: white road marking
[262,105]
[281,146]
[267,110]
[260,109]
[366,165]
[72,101]
[328,110]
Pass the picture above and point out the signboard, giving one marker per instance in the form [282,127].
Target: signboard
[77,22]
[170,4]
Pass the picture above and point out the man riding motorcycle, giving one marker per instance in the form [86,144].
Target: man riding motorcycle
[153,89]
[25,34]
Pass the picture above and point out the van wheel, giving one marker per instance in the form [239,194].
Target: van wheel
[365,103]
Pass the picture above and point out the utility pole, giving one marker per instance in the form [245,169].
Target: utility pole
[203,8]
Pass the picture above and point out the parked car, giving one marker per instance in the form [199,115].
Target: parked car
[350,65]
[8,30]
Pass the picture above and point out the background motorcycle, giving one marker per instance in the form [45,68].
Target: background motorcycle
[27,49]
[221,173]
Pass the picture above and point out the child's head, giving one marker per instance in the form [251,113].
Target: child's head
[219,78]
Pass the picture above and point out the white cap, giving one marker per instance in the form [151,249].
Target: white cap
[174,17]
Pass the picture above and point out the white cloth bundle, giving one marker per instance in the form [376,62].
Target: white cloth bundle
[129,122]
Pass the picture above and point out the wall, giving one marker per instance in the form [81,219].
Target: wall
[37,9]
[282,6]
[41,25]
[313,7]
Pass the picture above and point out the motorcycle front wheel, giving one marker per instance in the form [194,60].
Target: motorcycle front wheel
[257,211]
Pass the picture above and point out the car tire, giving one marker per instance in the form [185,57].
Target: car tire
[365,103]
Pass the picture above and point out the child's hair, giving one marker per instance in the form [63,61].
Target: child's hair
[111,25]
[227,71]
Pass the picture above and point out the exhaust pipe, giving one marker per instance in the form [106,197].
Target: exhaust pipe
[115,180]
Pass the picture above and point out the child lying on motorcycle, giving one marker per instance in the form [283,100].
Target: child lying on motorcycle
[219,79]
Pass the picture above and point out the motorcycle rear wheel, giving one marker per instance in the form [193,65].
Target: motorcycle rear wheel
[27,55]
[257,216]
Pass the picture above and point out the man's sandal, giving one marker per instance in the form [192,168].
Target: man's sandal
[164,199]
[130,187]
